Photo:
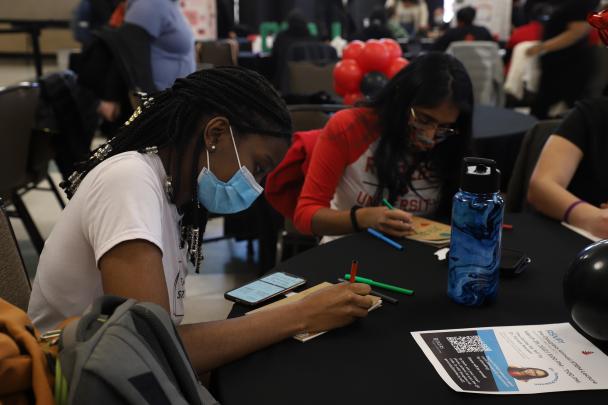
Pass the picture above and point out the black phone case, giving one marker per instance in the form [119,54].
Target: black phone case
[513,262]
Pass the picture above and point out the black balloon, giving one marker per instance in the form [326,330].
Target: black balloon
[372,83]
[586,290]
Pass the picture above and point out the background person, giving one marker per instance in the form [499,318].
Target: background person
[140,203]
[569,182]
[405,145]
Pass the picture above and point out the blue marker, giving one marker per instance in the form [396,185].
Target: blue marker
[380,236]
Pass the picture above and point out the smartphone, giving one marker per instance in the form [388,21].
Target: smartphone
[513,262]
[265,288]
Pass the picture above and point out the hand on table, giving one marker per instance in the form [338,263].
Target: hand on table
[597,224]
[334,306]
[393,222]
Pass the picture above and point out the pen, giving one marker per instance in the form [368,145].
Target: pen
[380,236]
[384,297]
[381,285]
[388,205]
[354,267]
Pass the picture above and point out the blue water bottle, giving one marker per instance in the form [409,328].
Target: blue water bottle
[477,214]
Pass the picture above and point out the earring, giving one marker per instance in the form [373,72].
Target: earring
[213,148]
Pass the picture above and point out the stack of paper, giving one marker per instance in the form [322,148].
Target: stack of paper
[430,232]
[582,232]
[304,337]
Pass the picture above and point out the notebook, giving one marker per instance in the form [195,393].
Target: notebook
[430,232]
[305,337]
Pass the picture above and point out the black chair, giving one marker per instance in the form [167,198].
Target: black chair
[15,286]
[529,152]
[17,112]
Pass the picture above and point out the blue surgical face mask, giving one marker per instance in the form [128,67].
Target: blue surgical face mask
[227,198]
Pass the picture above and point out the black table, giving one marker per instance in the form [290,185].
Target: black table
[497,134]
[33,28]
[375,360]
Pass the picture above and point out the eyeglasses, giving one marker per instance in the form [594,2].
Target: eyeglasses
[441,132]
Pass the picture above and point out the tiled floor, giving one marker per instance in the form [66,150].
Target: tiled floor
[225,264]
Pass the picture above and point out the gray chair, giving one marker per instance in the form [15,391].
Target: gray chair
[307,78]
[484,64]
[216,53]
[305,117]
[529,152]
[313,52]
[17,113]
[15,284]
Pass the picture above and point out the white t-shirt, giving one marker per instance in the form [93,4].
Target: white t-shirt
[121,199]
[359,183]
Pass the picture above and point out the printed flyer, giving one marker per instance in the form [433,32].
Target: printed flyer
[515,359]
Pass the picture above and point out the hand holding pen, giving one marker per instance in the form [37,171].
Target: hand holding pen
[393,222]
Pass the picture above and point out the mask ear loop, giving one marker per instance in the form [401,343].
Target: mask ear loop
[235,150]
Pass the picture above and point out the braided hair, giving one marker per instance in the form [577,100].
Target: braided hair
[170,118]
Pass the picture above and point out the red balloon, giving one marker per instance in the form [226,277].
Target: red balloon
[339,90]
[352,50]
[348,75]
[374,57]
[352,98]
[393,47]
[396,66]
[600,22]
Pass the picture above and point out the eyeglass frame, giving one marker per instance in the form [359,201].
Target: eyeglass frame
[442,133]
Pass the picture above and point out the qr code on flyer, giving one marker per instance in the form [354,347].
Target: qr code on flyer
[468,344]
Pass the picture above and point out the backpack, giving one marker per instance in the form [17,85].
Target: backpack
[125,352]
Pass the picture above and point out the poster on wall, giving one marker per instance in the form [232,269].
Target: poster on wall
[202,16]
[495,15]
[506,360]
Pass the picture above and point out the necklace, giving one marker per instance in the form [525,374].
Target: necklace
[190,234]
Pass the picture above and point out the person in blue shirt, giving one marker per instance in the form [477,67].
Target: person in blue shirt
[172,40]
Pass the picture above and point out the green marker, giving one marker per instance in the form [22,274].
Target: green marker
[389,205]
[380,285]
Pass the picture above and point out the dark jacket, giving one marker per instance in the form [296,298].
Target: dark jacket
[469,33]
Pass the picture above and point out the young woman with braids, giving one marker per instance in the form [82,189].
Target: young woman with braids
[405,145]
[188,150]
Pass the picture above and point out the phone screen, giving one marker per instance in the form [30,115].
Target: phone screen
[265,287]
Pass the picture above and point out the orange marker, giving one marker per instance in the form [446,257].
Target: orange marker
[354,267]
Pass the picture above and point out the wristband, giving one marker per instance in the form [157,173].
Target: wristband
[569,210]
[353,218]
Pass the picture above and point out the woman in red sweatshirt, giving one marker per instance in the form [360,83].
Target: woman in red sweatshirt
[405,145]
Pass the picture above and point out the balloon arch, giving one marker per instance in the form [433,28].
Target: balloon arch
[366,67]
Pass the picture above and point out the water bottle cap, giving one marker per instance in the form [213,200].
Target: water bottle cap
[480,176]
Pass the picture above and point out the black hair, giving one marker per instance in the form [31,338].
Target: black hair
[378,16]
[427,81]
[169,119]
[466,15]
[297,25]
